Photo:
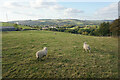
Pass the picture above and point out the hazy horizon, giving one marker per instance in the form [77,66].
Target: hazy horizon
[53,19]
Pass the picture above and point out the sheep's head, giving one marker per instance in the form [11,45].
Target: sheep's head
[45,48]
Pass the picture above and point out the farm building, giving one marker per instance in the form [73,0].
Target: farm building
[44,27]
[52,27]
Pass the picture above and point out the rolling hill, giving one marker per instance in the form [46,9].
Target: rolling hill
[61,22]
[8,24]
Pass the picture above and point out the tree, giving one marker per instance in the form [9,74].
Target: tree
[52,29]
[37,26]
[15,25]
[96,32]
[92,32]
[17,28]
[104,29]
[80,31]
[85,33]
[61,29]
[115,27]
[40,28]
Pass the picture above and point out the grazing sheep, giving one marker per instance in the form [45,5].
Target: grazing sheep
[41,53]
[86,47]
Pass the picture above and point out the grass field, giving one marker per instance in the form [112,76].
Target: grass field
[65,58]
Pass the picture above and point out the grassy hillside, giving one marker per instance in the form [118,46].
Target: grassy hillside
[65,58]
[6,24]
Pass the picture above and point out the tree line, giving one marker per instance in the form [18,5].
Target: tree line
[105,29]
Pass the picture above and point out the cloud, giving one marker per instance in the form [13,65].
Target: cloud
[11,4]
[71,10]
[40,8]
[51,4]
[109,12]
[42,3]
[25,13]
[72,13]
[57,7]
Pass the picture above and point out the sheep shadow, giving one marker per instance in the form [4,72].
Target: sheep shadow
[46,59]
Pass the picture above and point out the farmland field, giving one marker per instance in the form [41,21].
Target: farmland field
[65,58]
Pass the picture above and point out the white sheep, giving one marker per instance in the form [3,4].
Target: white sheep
[41,53]
[86,47]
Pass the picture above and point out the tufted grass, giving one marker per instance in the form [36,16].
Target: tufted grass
[65,58]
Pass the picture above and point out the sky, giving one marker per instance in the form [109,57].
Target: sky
[11,10]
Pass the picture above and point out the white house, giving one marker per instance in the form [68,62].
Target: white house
[44,27]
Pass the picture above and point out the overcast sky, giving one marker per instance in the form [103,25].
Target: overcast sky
[58,9]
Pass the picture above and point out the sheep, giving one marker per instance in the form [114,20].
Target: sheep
[86,47]
[41,53]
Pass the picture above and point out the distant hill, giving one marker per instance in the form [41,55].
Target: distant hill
[60,22]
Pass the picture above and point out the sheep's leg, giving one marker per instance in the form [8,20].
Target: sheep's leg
[83,50]
[41,59]
[44,55]
[38,59]
[86,50]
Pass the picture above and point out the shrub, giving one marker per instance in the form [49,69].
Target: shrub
[85,33]
[61,29]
